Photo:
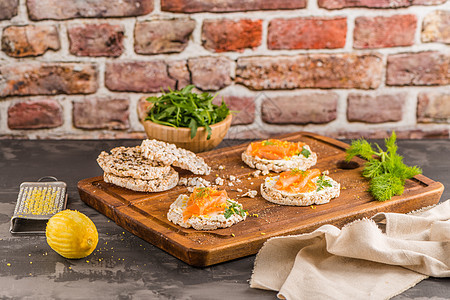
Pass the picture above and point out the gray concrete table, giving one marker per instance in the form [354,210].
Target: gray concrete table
[125,266]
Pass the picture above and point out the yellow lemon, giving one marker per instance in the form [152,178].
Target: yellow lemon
[71,234]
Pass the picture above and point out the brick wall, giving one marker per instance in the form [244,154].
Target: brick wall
[342,68]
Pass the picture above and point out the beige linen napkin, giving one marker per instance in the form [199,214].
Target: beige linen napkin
[375,258]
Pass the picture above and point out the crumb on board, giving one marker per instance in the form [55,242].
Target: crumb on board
[219,181]
[221,167]
[194,182]
[256,173]
[250,193]
[233,178]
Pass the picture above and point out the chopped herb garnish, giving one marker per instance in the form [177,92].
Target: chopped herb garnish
[323,183]
[297,171]
[187,109]
[305,152]
[234,208]
[201,192]
[387,173]
[267,143]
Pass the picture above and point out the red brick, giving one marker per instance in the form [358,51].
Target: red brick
[138,76]
[210,73]
[436,27]
[30,40]
[243,106]
[108,135]
[35,114]
[69,9]
[239,133]
[383,32]
[8,9]
[47,79]
[375,109]
[228,35]
[96,39]
[383,134]
[423,68]
[178,70]
[338,4]
[162,36]
[316,108]
[428,2]
[192,6]
[307,33]
[143,107]
[423,134]
[433,107]
[310,71]
[101,113]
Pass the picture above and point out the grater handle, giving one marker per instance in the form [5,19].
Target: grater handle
[48,177]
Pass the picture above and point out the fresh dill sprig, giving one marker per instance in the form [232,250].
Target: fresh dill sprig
[234,208]
[322,183]
[385,169]
[297,171]
[202,192]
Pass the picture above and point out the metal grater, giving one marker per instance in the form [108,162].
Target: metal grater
[36,203]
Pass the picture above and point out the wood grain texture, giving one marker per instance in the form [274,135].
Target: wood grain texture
[144,214]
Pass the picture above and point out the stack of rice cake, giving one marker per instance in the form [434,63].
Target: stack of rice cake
[148,167]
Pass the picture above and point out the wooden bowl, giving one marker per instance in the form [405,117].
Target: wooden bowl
[182,136]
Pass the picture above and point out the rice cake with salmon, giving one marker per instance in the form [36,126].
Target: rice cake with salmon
[278,156]
[206,209]
[300,188]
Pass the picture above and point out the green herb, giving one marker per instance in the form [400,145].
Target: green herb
[387,172]
[297,171]
[202,192]
[322,183]
[305,152]
[234,208]
[187,109]
[267,143]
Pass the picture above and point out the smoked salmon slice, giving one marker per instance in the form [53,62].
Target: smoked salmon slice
[297,181]
[275,149]
[205,201]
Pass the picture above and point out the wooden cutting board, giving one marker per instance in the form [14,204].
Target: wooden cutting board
[144,214]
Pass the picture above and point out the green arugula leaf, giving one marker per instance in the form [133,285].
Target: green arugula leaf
[185,108]
[305,152]
[193,126]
